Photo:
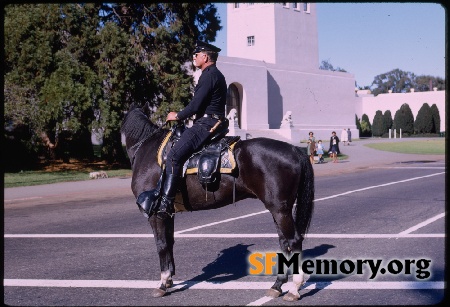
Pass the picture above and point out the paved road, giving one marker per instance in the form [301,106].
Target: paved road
[86,244]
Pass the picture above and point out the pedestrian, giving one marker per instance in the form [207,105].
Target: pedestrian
[311,147]
[208,104]
[334,147]
[344,136]
[349,136]
[320,149]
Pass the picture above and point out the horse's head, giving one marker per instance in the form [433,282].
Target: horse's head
[136,125]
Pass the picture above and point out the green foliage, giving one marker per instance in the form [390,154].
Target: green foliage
[422,83]
[70,68]
[357,123]
[326,65]
[402,82]
[436,119]
[424,120]
[387,121]
[404,119]
[366,127]
[377,126]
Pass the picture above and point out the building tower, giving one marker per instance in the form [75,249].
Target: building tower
[277,33]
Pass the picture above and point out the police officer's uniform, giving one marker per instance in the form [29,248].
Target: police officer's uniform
[208,104]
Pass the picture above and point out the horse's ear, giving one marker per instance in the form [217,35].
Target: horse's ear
[132,106]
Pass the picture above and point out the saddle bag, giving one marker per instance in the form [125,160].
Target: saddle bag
[208,163]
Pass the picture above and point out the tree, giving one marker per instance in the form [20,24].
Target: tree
[48,81]
[436,119]
[326,65]
[424,120]
[75,67]
[357,123]
[402,82]
[396,80]
[404,119]
[426,83]
[366,127]
[377,126]
[387,121]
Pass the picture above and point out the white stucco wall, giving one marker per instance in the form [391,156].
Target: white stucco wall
[368,104]
[280,33]
[251,20]
[251,79]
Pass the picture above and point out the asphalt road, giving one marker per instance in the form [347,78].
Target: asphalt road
[78,244]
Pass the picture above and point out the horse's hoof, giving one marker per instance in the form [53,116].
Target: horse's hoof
[273,293]
[169,283]
[289,297]
[158,292]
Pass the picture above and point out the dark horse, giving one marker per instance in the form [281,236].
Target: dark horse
[275,172]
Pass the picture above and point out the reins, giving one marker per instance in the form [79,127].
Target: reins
[140,143]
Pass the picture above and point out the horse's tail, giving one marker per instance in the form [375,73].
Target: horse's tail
[305,195]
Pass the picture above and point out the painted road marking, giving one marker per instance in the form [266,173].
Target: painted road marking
[237,235]
[229,285]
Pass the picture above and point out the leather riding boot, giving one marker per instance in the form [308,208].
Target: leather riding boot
[167,198]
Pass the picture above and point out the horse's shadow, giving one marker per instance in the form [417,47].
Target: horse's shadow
[231,264]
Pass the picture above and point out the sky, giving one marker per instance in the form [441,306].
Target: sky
[369,39]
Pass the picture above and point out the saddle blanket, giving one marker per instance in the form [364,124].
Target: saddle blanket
[227,160]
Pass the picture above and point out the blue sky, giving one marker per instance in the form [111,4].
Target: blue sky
[368,39]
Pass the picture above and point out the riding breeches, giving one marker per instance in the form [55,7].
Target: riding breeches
[190,141]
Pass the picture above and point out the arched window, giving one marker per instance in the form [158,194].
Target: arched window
[233,102]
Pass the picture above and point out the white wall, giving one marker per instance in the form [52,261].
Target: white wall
[368,104]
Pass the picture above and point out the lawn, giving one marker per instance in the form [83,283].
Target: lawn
[422,147]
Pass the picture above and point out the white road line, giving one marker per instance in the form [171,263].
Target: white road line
[378,186]
[20,199]
[424,223]
[229,285]
[237,235]
[220,222]
[412,167]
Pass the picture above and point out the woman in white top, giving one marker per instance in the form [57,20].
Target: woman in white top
[344,136]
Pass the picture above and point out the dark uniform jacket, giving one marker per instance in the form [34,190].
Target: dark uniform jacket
[210,95]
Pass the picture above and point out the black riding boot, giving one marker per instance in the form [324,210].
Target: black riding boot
[167,198]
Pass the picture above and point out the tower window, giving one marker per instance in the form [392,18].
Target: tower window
[285,5]
[250,40]
[306,7]
[236,5]
[296,6]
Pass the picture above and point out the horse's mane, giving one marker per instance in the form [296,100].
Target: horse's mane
[137,126]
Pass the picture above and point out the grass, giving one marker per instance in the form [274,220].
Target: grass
[29,178]
[422,147]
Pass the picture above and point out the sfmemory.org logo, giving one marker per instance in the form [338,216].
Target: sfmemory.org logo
[271,263]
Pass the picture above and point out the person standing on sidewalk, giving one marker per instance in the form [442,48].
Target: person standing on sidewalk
[334,147]
[344,136]
[311,147]
[320,148]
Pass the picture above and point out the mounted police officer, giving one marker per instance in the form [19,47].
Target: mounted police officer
[208,105]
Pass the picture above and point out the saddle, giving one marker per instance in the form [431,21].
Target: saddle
[214,158]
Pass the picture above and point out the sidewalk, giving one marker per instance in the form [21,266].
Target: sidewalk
[361,157]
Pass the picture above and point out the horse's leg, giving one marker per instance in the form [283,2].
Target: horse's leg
[163,231]
[290,242]
[275,290]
